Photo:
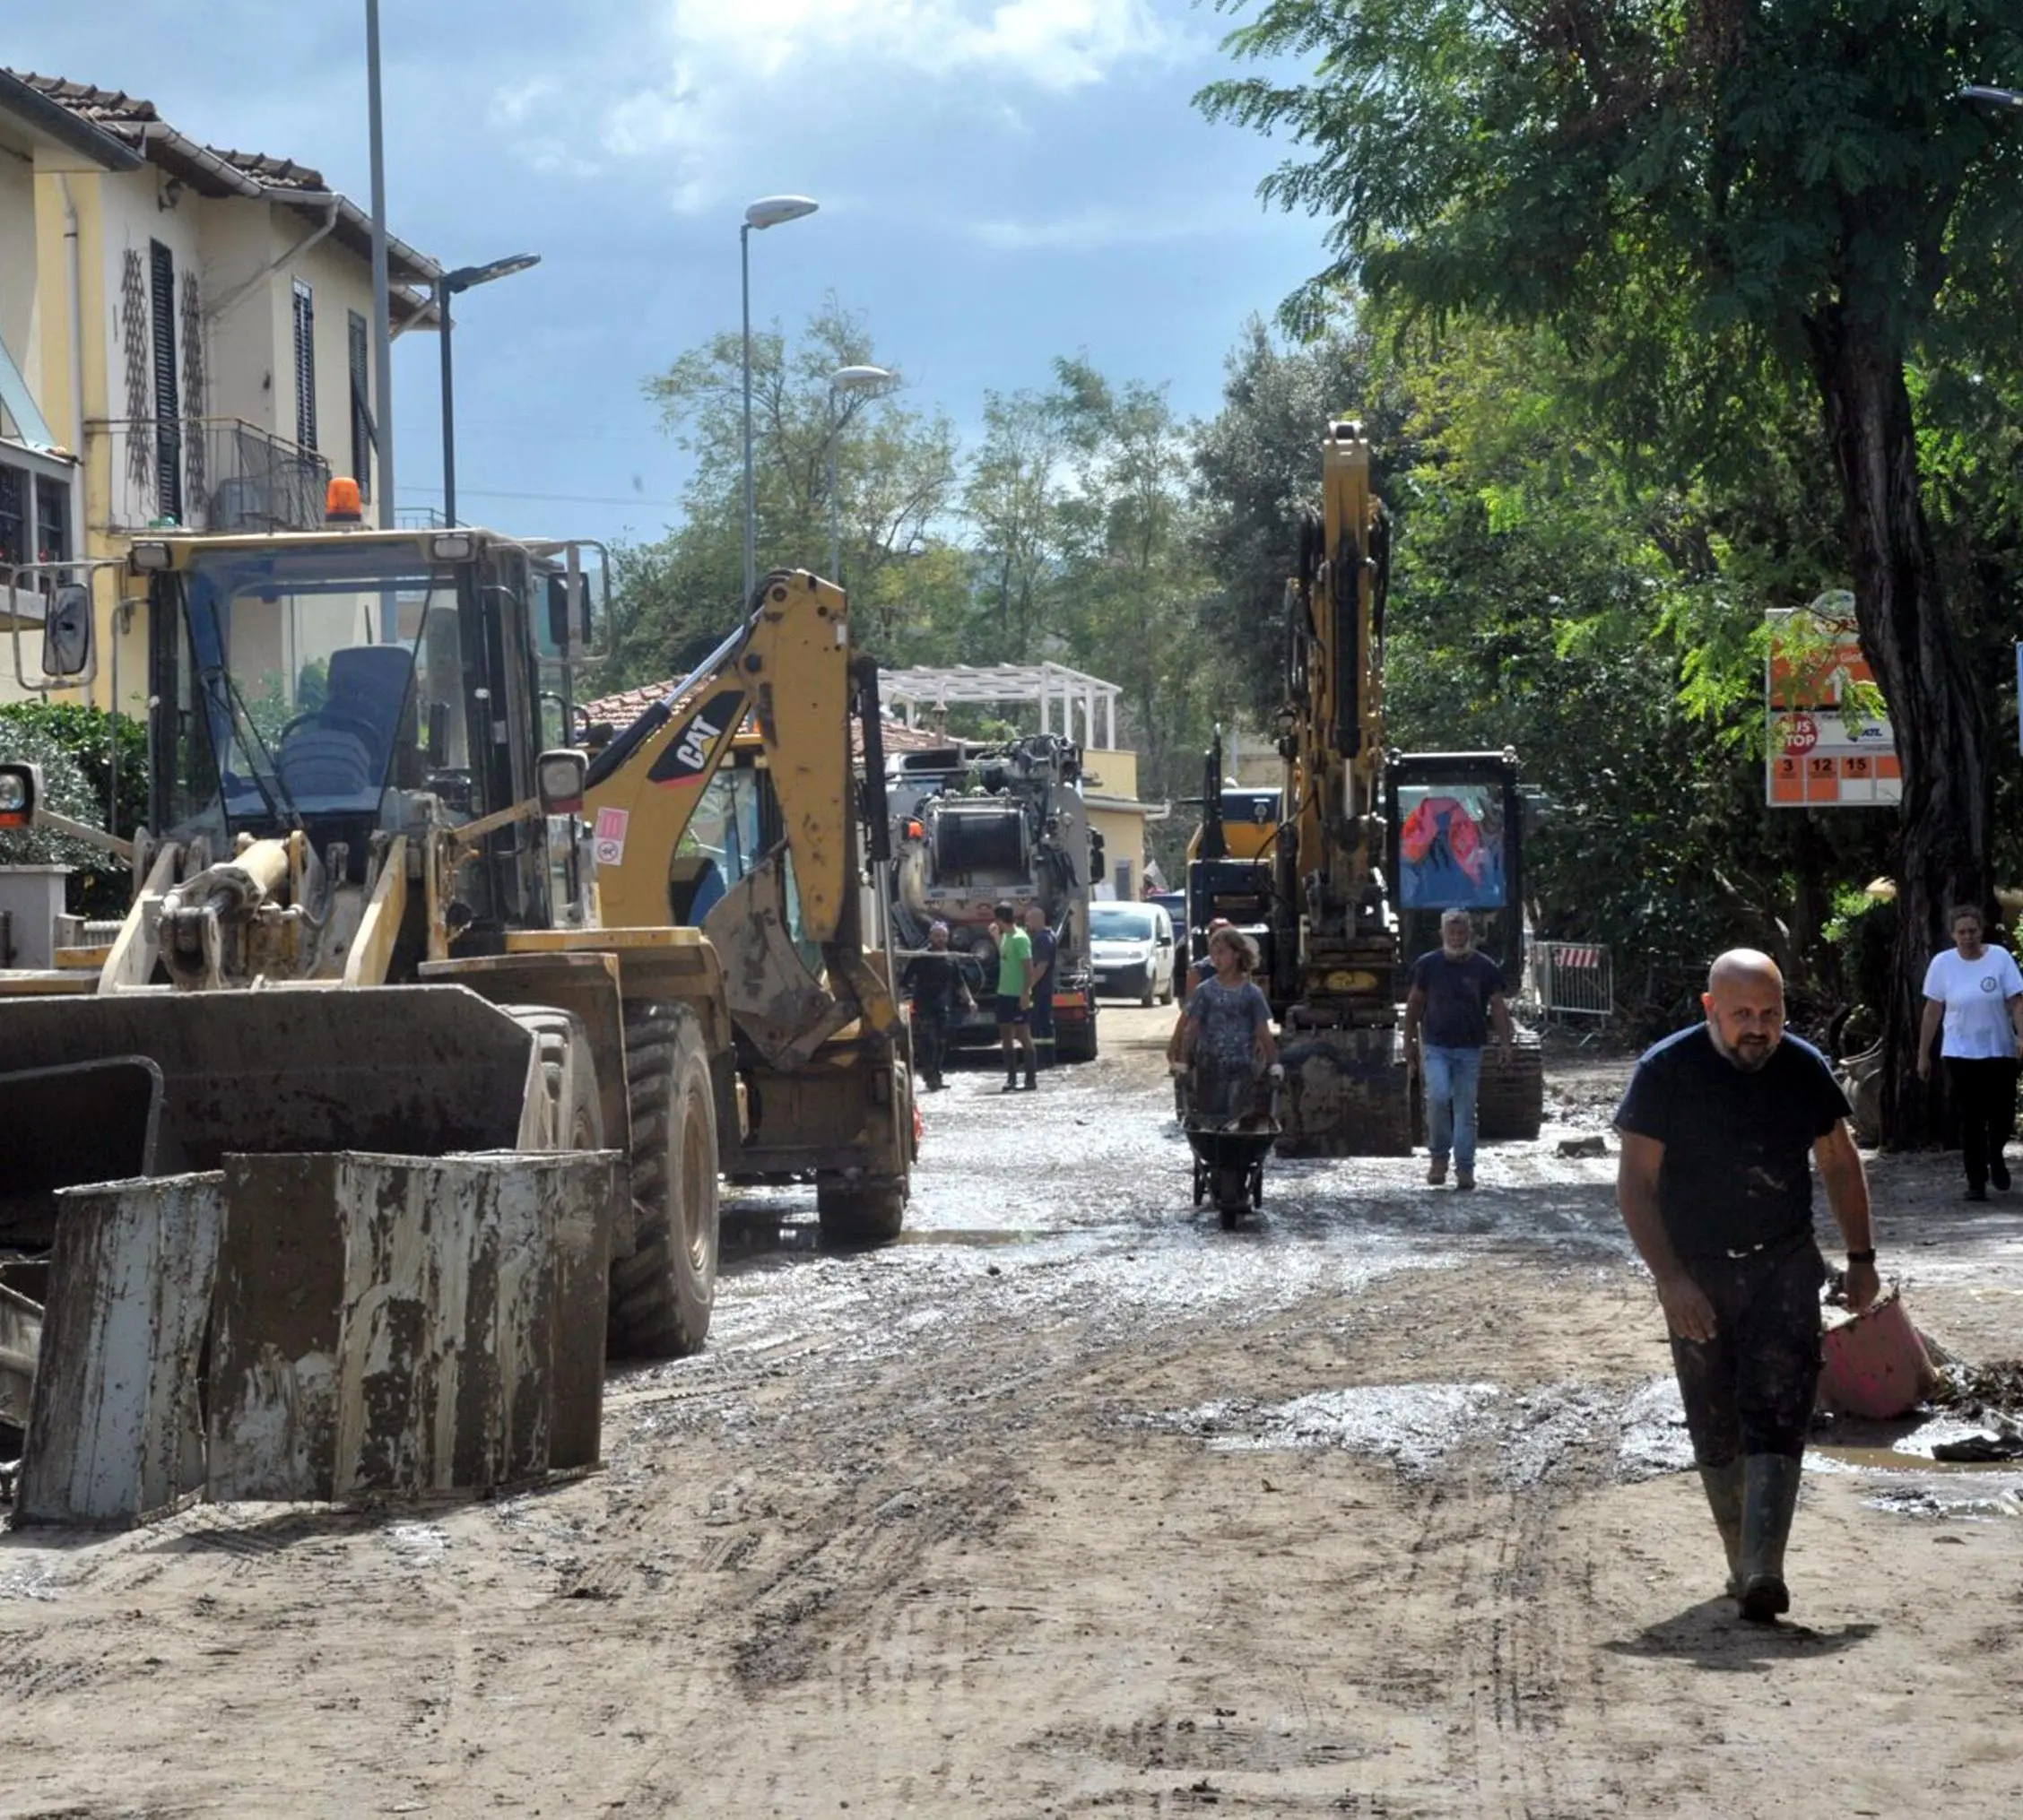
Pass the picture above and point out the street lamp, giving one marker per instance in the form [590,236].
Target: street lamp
[2008,98]
[452,284]
[871,380]
[382,299]
[767,211]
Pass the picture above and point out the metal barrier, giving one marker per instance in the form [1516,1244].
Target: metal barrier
[1574,979]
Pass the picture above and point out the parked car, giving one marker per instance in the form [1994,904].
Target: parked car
[1133,950]
[1174,904]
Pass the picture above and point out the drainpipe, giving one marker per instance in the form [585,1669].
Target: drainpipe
[74,277]
[73,280]
[219,306]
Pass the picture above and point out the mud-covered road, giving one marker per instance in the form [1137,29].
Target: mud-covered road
[1073,1503]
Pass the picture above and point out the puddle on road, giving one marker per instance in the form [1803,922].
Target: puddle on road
[1418,1426]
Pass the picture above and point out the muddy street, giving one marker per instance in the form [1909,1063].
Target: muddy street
[1072,1502]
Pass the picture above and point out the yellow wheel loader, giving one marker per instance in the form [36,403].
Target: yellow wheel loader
[375,920]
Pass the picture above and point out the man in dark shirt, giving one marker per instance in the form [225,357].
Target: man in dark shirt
[1719,1129]
[938,991]
[1456,990]
[1045,947]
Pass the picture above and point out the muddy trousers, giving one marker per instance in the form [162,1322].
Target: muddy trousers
[1749,1389]
[1984,1091]
[930,1047]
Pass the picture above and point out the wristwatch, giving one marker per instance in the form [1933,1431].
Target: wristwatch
[1867,1257]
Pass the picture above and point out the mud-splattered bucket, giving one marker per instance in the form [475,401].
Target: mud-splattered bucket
[1875,1364]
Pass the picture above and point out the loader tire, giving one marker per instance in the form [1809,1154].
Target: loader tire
[563,1111]
[662,1294]
[863,1213]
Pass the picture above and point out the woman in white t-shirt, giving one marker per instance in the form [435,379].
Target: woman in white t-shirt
[1977,991]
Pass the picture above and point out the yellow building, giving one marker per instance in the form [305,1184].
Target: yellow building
[193,324]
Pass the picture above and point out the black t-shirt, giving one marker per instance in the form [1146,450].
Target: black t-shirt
[935,980]
[1457,997]
[1738,1145]
[1044,948]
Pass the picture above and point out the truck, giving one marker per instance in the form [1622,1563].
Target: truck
[976,823]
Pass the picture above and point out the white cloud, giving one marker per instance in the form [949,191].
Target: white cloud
[1048,43]
[1088,230]
[707,83]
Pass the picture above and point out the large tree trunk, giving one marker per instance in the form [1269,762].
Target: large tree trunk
[1910,642]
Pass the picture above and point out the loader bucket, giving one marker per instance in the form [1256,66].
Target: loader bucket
[1346,1094]
[414,1070]
[76,1123]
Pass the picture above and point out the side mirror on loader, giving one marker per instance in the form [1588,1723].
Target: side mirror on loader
[66,631]
[568,629]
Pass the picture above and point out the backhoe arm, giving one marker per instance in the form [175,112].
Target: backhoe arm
[788,668]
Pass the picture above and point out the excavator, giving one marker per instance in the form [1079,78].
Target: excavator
[1311,875]
[385,915]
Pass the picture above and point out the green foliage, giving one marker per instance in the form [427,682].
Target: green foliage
[894,483]
[73,746]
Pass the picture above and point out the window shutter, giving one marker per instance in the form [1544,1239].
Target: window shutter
[305,365]
[167,406]
[361,412]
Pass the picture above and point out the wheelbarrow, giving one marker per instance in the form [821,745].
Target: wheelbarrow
[1230,1122]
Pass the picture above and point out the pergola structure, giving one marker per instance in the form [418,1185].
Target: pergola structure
[1058,691]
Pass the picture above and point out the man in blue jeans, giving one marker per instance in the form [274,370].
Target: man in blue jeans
[1456,992]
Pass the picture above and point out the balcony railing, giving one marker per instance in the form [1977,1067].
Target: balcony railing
[211,473]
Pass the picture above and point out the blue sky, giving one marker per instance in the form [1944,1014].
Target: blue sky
[1000,181]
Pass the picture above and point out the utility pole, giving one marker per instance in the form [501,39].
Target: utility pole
[382,303]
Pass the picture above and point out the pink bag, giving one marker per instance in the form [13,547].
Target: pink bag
[1876,1364]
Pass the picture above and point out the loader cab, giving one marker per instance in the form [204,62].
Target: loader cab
[351,685]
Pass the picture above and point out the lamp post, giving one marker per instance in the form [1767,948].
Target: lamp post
[2006,98]
[767,211]
[453,284]
[865,379]
[382,304]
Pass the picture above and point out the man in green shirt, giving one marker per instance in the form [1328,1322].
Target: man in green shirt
[1014,996]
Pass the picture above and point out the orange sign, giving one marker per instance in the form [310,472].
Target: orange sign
[1829,741]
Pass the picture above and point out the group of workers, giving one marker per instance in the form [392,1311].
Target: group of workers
[938,981]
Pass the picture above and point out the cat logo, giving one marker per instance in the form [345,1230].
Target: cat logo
[689,756]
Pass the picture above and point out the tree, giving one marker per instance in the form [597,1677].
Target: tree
[1797,179]
[895,468]
[1131,587]
[1013,500]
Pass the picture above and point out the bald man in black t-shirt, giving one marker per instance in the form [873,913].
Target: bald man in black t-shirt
[1720,1128]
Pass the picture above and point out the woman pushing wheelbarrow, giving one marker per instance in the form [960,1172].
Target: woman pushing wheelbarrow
[1230,1073]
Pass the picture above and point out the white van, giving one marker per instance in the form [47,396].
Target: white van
[1131,947]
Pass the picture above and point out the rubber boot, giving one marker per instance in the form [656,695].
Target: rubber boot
[1725,1498]
[1032,1080]
[1769,1496]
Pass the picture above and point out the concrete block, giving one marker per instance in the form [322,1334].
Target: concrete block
[115,1431]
